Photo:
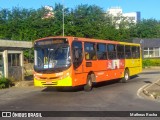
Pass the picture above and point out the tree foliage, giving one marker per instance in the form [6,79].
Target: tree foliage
[88,21]
[148,29]
[84,21]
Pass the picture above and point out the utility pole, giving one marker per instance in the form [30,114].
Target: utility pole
[63,17]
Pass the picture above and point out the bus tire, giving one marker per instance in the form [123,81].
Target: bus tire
[88,85]
[126,76]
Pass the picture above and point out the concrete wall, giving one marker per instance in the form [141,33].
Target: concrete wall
[15,44]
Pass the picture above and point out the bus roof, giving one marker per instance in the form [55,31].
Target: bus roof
[71,38]
[127,43]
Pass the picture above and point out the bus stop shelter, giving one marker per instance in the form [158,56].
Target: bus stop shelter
[12,58]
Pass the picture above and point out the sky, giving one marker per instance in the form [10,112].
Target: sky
[148,8]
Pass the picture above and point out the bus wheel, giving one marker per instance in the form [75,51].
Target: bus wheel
[88,86]
[126,76]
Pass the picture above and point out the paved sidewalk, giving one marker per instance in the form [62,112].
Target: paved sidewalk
[153,90]
[24,83]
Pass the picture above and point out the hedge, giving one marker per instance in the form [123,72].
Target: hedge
[151,62]
[5,83]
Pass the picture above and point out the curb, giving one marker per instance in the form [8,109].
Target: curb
[152,67]
[150,92]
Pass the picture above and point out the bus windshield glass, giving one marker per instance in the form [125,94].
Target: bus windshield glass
[52,57]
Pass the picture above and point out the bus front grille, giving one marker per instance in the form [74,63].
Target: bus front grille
[49,83]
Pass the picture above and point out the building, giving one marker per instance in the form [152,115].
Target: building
[115,11]
[150,47]
[118,15]
[132,16]
[11,58]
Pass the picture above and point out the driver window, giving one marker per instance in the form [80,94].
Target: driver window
[77,53]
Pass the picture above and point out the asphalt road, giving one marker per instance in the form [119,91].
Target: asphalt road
[108,96]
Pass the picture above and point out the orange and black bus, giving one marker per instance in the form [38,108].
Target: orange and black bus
[73,61]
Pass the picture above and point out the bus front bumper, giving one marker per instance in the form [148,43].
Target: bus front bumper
[60,82]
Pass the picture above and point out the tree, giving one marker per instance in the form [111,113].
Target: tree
[84,21]
[148,28]
[87,21]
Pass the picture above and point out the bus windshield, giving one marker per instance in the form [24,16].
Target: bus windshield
[52,57]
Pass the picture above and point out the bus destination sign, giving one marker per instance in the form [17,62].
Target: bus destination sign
[51,41]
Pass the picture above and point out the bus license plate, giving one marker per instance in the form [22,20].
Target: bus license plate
[49,82]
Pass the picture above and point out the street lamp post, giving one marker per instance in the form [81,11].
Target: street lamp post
[63,17]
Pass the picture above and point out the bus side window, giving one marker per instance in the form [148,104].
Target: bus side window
[112,54]
[120,52]
[128,53]
[134,49]
[90,52]
[101,51]
[87,55]
[136,52]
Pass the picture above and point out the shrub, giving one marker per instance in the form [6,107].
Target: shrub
[151,62]
[5,83]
